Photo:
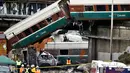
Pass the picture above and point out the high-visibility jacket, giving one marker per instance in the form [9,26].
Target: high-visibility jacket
[18,62]
[21,70]
[33,70]
[38,71]
[68,61]
[27,70]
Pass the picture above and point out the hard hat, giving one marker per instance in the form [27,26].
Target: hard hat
[37,66]
[27,65]
[32,65]
[22,65]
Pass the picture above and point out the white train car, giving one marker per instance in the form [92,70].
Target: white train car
[32,20]
[38,25]
[98,2]
[99,10]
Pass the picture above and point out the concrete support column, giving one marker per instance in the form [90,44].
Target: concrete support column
[92,53]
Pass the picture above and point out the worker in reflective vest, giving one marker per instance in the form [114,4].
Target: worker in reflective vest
[37,70]
[22,69]
[33,69]
[18,63]
[68,61]
[27,70]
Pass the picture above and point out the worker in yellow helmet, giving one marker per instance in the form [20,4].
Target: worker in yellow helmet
[33,69]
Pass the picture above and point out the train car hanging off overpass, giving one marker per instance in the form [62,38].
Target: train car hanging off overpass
[39,25]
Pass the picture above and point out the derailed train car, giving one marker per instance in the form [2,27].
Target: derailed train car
[39,25]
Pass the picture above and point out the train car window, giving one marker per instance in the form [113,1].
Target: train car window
[38,26]
[60,14]
[88,8]
[34,28]
[20,36]
[63,52]
[109,7]
[42,24]
[23,34]
[101,8]
[27,32]
[14,39]
[115,7]
[31,30]
[49,20]
[57,15]
[119,7]
[125,7]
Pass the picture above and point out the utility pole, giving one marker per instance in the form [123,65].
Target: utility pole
[111,33]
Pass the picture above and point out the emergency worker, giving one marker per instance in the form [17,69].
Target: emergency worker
[18,63]
[22,69]
[27,70]
[33,69]
[68,61]
[37,70]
